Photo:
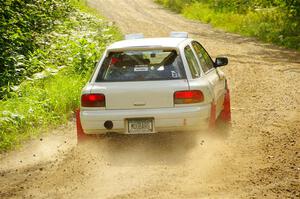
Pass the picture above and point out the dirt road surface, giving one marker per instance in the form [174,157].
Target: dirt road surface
[258,158]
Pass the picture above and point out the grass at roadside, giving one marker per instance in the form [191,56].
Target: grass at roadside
[48,98]
[272,24]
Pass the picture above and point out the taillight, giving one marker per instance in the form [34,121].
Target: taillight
[93,100]
[188,97]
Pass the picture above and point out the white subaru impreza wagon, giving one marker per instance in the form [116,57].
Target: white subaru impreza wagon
[151,85]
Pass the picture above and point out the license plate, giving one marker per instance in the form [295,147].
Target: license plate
[140,126]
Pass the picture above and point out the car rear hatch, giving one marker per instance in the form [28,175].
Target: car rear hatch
[140,95]
[137,79]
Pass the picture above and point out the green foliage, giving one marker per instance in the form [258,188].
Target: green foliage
[65,59]
[22,22]
[271,21]
[43,103]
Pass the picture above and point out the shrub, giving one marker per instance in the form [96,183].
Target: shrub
[47,99]
[22,22]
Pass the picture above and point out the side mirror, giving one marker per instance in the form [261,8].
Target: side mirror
[221,61]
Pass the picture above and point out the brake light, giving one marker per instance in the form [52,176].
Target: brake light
[188,97]
[93,100]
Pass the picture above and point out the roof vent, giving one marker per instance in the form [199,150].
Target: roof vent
[134,36]
[179,34]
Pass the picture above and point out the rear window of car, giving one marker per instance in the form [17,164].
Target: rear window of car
[141,66]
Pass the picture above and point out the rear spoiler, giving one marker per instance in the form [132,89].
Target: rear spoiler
[134,36]
[172,34]
[179,34]
[133,48]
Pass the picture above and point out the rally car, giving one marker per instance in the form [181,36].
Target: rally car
[152,85]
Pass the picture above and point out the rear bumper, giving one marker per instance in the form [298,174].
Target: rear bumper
[164,119]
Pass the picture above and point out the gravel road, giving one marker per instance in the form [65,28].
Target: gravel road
[258,158]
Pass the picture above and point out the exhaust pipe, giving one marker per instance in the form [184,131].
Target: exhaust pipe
[108,124]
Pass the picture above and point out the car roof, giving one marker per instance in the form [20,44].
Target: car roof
[163,42]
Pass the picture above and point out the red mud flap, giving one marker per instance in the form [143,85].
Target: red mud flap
[225,115]
[226,112]
[81,136]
